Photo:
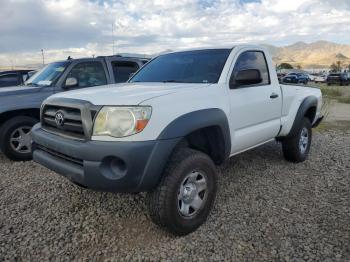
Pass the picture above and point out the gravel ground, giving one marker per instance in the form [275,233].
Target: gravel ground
[266,209]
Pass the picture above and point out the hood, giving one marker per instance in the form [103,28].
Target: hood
[18,90]
[126,94]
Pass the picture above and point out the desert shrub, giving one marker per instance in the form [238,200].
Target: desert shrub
[331,92]
[345,100]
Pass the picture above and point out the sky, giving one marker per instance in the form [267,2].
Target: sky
[84,27]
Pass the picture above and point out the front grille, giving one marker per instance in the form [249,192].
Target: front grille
[72,124]
[56,154]
[78,117]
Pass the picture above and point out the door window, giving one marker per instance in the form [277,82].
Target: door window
[89,74]
[252,60]
[122,70]
[8,80]
[25,77]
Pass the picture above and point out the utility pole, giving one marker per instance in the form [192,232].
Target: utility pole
[113,38]
[42,54]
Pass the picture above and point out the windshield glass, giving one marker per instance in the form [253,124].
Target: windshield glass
[48,75]
[201,66]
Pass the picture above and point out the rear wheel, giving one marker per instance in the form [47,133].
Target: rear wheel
[186,193]
[15,142]
[296,149]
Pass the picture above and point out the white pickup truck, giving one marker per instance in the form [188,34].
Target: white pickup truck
[165,130]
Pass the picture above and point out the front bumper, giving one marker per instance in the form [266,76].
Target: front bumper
[103,166]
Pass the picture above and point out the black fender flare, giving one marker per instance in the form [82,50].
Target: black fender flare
[31,112]
[308,102]
[190,122]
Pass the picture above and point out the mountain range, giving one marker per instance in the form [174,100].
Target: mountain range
[320,54]
[316,55]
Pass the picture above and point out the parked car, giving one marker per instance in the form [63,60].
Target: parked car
[20,106]
[296,78]
[280,76]
[14,77]
[320,79]
[312,76]
[338,79]
[165,130]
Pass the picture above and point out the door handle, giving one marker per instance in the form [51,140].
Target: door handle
[273,95]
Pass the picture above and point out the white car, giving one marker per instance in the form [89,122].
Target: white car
[165,130]
[312,77]
[320,79]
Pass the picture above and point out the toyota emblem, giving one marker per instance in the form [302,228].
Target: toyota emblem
[59,118]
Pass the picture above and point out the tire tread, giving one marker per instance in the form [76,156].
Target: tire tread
[290,145]
[5,133]
[157,199]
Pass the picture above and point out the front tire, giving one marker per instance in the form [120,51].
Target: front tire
[184,198]
[296,149]
[15,140]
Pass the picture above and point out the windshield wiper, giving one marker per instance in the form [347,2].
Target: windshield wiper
[165,81]
[173,81]
[32,84]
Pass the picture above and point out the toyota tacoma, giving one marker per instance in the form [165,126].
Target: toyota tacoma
[165,131]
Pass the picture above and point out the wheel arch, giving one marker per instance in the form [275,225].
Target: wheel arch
[307,108]
[31,112]
[205,130]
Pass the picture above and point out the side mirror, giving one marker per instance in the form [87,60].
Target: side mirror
[71,82]
[247,77]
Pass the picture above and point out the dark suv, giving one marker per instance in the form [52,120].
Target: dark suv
[15,77]
[296,78]
[338,79]
[20,106]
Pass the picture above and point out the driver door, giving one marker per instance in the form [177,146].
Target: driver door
[255,109]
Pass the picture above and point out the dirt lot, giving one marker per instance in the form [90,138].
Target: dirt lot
[267,209]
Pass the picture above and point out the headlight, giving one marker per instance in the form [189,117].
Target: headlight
[121,121]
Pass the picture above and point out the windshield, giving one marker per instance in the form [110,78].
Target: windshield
[201,66]
[48,75]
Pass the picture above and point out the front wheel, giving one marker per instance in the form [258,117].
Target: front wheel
[15,139]
[296,148]
[183,199]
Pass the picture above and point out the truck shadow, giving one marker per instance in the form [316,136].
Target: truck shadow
[94,214]
[128,213]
